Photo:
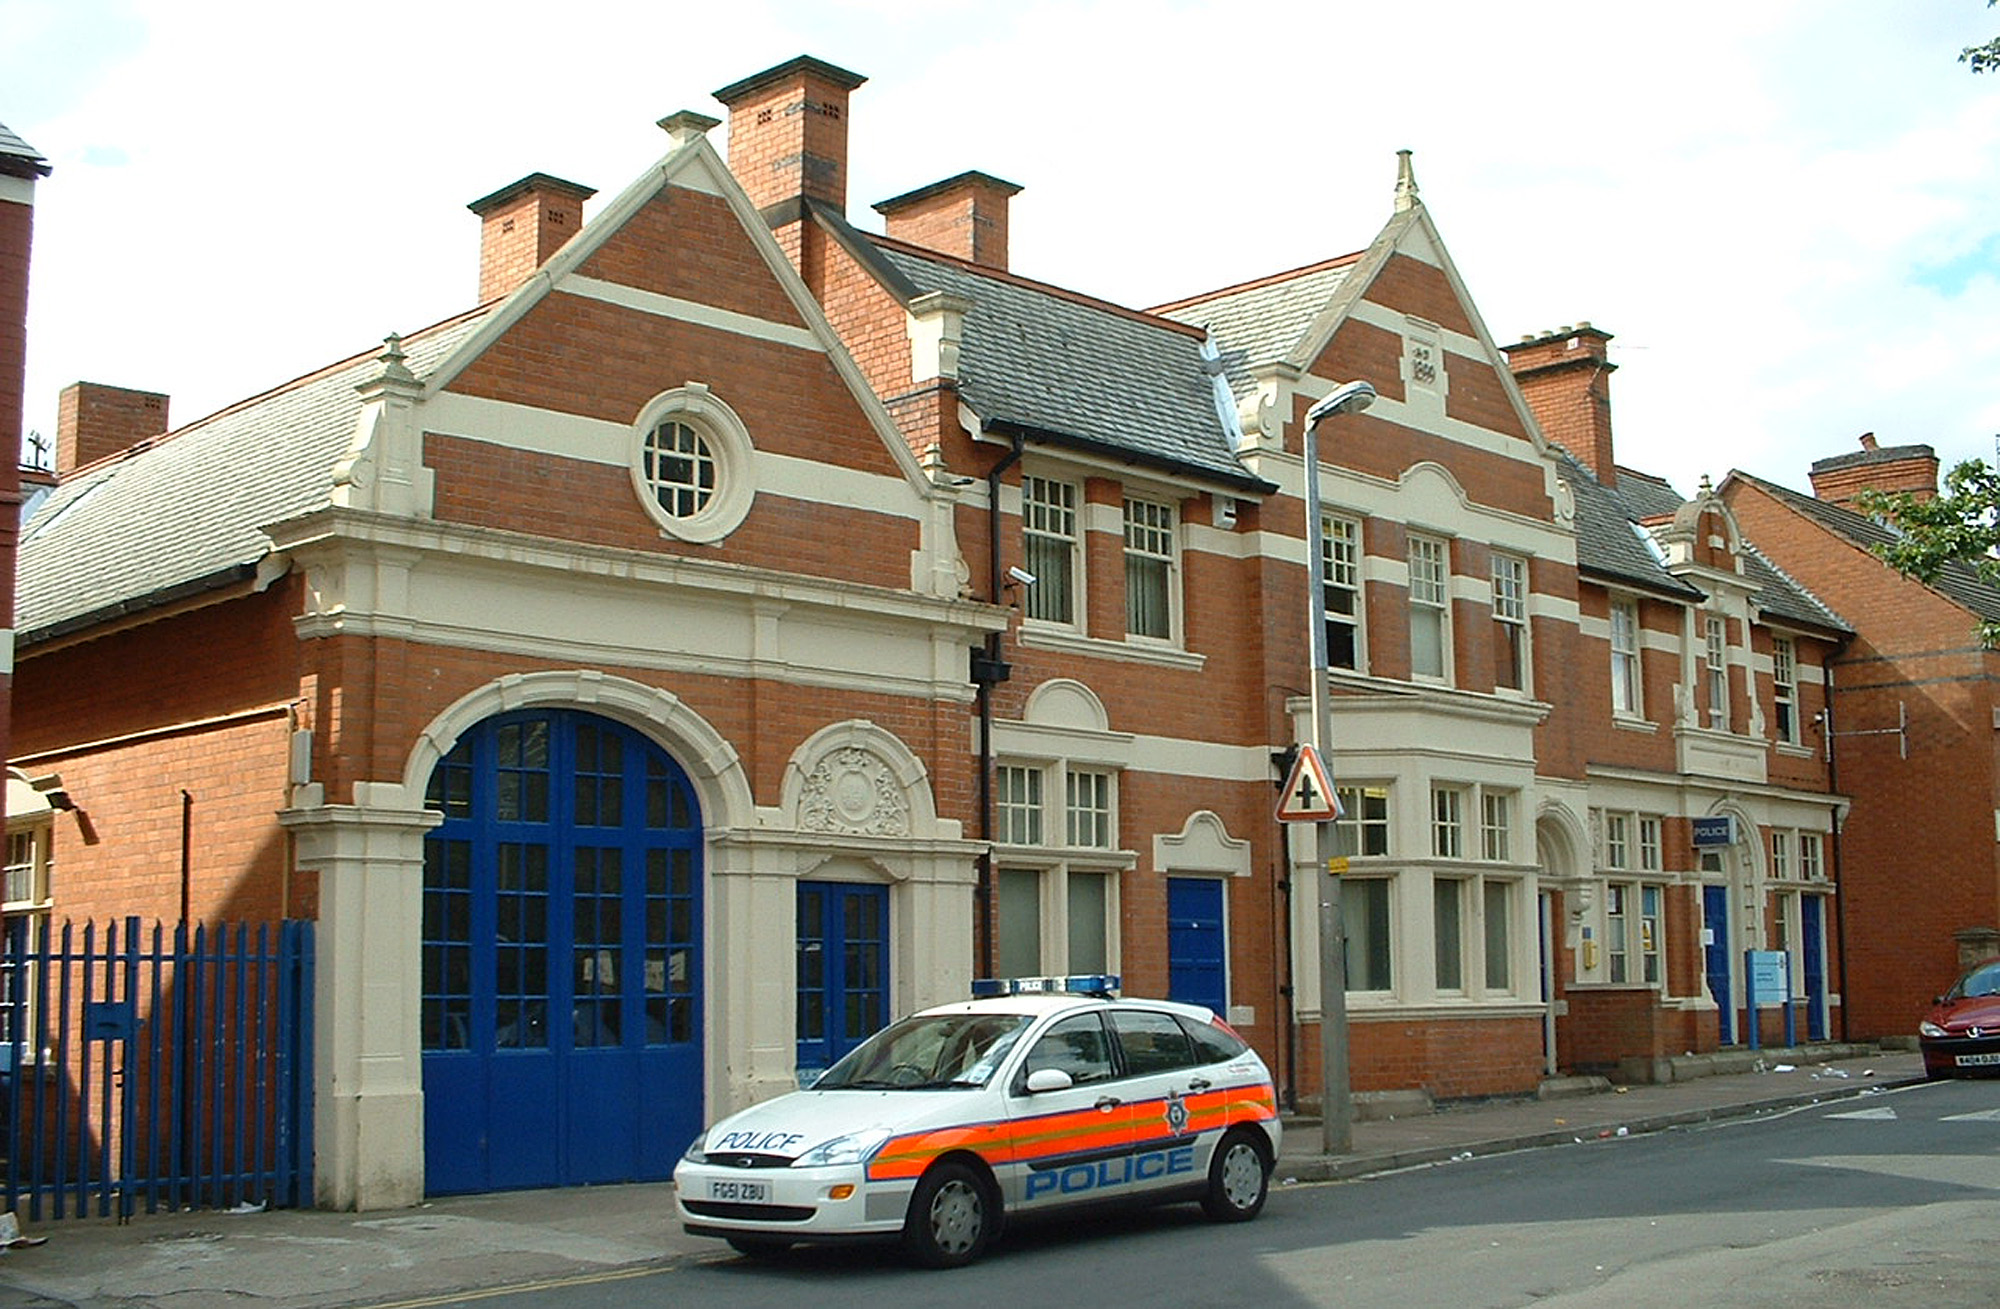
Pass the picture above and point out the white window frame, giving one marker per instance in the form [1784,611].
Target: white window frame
[1366,824]
[1510,622]
[1448,939]
[1430,606]
[1496,825]
[1151,554]
[1359,904]
[1052,543]
[1781,855]
[1090,820]
[1346,598]
[1627,684]
[1812,866]
[29,895]
[1447,821]
[1634,920]
[1716,660]
[1785,689]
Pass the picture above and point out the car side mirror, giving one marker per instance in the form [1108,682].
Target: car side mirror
[1048,1079]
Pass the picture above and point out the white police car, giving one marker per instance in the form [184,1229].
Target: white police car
[938,1127]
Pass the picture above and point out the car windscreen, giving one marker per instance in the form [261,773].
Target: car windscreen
[1984,980]
[928,1052]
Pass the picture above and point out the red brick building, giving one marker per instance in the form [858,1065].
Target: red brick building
[1910,739]
[24,805]
[740,626]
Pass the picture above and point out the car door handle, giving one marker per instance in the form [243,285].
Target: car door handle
[1199,1084]
[1106,1103]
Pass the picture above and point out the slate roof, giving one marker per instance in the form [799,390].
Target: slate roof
[18,158]
[1264,320]
[1608,540]
[1958,582]
[182,513]
[1639,498]
[1069,370]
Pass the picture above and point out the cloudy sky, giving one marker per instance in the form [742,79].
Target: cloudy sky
[1786,211]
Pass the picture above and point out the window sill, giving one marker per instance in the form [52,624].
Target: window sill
[1142,651]
[1633,723]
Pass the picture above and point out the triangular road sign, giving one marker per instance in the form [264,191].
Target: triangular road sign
[1308,795]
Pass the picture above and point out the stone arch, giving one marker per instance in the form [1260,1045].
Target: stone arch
[711,762]
[858,779]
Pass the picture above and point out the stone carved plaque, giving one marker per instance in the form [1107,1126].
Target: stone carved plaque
[853,790]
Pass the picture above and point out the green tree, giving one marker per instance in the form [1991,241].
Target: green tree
[1959,526]
[1983,58]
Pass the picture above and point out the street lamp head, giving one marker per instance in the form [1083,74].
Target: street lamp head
[1347,398]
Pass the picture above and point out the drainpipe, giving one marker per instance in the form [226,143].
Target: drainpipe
[989,668]
[1839,900]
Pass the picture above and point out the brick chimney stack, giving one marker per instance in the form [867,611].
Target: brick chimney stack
[1565,375]
[964,216]
[1840,478]
[94,420]
[788,132]
[521,225]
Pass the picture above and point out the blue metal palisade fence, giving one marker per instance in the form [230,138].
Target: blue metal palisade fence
[155,1070]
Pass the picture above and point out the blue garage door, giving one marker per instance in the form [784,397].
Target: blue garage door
[1195,964]
[562,910]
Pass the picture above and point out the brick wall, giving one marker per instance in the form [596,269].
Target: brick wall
[1900,900]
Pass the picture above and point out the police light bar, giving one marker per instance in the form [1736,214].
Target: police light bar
[984,988]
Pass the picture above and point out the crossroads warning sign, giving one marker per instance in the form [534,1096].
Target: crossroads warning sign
[1308,795]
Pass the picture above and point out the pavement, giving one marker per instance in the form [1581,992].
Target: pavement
[448,1251]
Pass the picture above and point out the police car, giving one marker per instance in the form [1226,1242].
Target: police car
[1043,1094]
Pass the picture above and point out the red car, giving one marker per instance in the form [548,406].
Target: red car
[1960,1036]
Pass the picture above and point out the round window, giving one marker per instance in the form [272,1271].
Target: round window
[680,468]
[692,464]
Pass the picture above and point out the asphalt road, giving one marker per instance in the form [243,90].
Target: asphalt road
[1888,1201]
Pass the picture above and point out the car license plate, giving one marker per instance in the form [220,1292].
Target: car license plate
[740,1192]
[1979,1060]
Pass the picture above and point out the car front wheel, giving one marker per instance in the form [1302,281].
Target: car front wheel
[951,1218]
[1238,1179]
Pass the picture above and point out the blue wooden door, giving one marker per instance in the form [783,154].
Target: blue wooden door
[1813,952]
[561,1018]
[1196,943]
[843,970]
[1715,956]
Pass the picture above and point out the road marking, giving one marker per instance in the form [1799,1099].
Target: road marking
[1983,1116]
[1972,1172]
[517,1288]
[1873,1115]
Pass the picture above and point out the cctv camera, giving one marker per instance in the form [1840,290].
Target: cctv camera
[1021,575]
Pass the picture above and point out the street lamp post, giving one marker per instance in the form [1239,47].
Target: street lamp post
[1336,1099]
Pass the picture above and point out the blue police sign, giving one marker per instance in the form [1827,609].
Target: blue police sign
[1718,829]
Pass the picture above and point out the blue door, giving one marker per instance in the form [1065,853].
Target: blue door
[561,1019]
[1715,956]
[1812,913]
[1195,942]
[843,970]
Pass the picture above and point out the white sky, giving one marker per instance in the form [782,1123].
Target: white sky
[1786,211]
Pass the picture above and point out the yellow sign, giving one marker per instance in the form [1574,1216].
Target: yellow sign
[1337,865]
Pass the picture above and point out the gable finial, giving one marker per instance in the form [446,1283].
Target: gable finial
[1406,183]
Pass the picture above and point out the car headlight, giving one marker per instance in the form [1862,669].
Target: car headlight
[1929,1028]
[694,1154]
[853,1148]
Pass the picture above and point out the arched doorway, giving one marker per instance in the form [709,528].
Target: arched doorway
[561,1018]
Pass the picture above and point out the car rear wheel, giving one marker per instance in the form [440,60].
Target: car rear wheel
[951,1217]
[1239,1178]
